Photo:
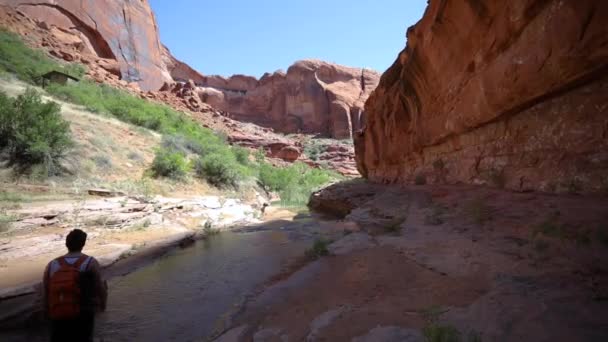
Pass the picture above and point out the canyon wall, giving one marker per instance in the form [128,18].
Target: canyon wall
[507,93]
[312,97]
[120,30]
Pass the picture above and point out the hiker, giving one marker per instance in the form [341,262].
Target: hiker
[73,290]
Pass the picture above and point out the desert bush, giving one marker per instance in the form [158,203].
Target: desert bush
[296,182]
[479,211]
[218,169]
[182,144]
[313,149]
[102,162]
[169,163]
[319,248]
[241,154]
[6,222]
[420,179]
[32,132]
[440,333]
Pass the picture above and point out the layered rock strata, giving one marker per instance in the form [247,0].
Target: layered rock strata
[512,94]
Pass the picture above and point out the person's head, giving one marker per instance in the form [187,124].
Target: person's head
[75,240]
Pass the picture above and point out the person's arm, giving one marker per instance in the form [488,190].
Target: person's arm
[101,287]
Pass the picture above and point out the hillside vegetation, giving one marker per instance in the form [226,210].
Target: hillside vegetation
[187,149]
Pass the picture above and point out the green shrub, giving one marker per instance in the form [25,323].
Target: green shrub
[6,222]
[440,333]
[169,163]
[420,179]
[32,131]
[241,154]
[313,149]
[318,249]
[479,211]
[182,144]
[29,64]
[218,169]
[294,183]
[102,162]
[260,156]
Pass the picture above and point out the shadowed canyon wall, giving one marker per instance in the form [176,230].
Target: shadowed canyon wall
[508,93]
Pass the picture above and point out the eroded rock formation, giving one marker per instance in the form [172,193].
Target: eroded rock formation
[115,30]
[312,97]
[508,93]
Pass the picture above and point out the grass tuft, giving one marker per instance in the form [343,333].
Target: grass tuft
[318,249]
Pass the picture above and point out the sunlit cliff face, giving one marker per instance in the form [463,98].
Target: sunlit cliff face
[498,98]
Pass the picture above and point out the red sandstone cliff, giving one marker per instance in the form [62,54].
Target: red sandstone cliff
[509,93]
[120,30]
[312,97]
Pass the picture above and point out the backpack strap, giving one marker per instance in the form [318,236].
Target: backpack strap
[62,262]
[80,261]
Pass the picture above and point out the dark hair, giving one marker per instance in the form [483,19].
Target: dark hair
[75,240]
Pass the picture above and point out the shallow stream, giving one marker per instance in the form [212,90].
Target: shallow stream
[189,294]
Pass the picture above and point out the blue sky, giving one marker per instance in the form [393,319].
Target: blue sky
[252,37]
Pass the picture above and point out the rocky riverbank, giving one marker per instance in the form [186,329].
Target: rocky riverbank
[455,260]
[118,228]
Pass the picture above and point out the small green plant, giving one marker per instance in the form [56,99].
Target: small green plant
[313,149]
[551,227]
[32,132]
[431,314]
[479,211]
[435,215]
[498,178]
[102,162]
[146,223]
[241,155]
[135,157]
[602,235]
[209,230]
[182,144]
[170,164]
[434,332]
[420,179]
[540,245]
[394,225]
[439,165]
[6,196]
[574,186]
[219,170]
[318,249]
[259,155]
[6,221]
[440,333]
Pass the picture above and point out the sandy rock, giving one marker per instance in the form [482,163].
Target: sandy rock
[390,334]
[233,335]
[324,320]
[491,93]
[350,243]
[270,335]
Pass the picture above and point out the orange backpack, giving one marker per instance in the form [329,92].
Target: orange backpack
[64,290]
